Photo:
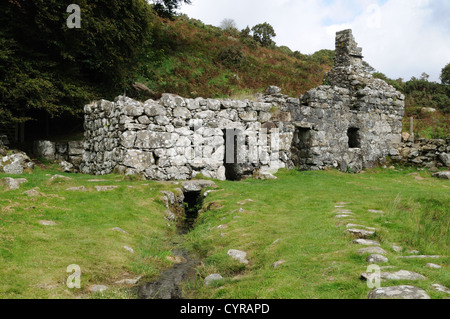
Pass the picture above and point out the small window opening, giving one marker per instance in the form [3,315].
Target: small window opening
[354,140]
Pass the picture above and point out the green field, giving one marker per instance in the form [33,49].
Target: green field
[291,219]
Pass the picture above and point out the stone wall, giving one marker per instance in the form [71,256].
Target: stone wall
[71,151]
[351,124]
[179,138]
[427,153]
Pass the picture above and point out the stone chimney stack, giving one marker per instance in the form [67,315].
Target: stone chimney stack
[348,61]
[347,51]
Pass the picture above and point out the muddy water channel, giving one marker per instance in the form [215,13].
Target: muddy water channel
[168,286]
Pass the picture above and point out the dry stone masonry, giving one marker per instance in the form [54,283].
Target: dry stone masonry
[351,124]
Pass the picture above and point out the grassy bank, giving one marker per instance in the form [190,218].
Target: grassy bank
[34,258]
[293,219]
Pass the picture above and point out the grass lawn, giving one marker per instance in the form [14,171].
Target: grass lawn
[291,219]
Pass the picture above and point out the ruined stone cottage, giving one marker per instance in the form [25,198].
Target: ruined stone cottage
[352,123]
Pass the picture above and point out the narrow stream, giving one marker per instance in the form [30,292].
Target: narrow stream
[168,284]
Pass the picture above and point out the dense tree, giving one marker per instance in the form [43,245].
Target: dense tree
[49,70]
[166,8]
[263,33]
[445,75]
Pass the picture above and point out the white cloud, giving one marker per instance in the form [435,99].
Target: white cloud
[401,38]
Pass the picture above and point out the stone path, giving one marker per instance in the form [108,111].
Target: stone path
[377,254]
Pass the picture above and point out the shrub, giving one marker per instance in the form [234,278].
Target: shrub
[231,56]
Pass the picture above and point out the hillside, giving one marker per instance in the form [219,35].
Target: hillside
[192,59]
[50,72]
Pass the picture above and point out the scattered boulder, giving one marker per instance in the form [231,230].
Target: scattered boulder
[238,255]
[128,281]
[197,185]
[433,266]
[59,177]
[372,250]
[441,288]
[360,233]
[98,288]
[77,189]
[278,263]
[398,275]
[11,183]
[397,249]
[366,242]
[398,292]
[66,166]
[16,162]
[212,278]
[376,258]
[442,175]
[131,250]
[105,188]
[34,192]
[47,222]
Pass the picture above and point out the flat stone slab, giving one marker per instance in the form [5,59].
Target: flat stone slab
[419,256]
[361,226]
[360,233]
[398,292]
[343,216]
[398,275]
[120,230]
[212,278]
[98,288]
[372,250]
[34,192]
[376,258]
[197,185]
[128,281]
[47,222]
[278,263]
[105,188]
[366,242]
[245,201]
[77,189]
[433,266]
[441,288]
[238,255]
[374,211]
[397,248]
[60,177]
[131,250]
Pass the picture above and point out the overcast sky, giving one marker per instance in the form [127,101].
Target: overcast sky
[401,38]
